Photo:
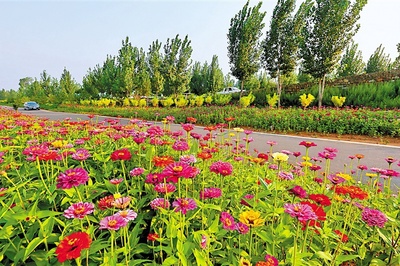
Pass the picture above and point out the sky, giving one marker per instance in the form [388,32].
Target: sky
[77,35]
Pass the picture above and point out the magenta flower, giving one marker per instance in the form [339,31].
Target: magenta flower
[80,155]
[222,168]
[373,217]
[210,193]
[136,171]
[116,181]
[335,179]
[300,211]
[271,260]
[174,171]
[327,155]
[228,222]
[164,188]
[159,203]
[188,159]
[271,143]
[242,228]
[184,204]
[128,215]
[79,210]
[203,243]
[72,178]
[180,145]
[298,191]
[362,167]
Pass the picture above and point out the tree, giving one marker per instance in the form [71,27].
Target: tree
[68,87]
[280,44]
[176,65]
[215,76]
[378,61]
[352,62]
[126,64]
[244,45]
[142,81]
[198,82]
[396,62]
[155,60]
[329,27]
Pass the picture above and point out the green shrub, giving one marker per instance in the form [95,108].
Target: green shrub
[222,99]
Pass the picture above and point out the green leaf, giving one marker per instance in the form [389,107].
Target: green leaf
[170,261]
[31,246]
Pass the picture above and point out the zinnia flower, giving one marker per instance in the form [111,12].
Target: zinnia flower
[136,171]
[164,188]
[210,193]
[228,222]
[106,202]
[374,217]
[121,203]
[298,191]
[71,246]
[251,218]
[222,168]
[184,204]
[179,169]
[300,211]
[280,157]
[80,155]
[343,237]
[128,215]
[122,155]
[320,199]
[162,161]
[159,203]
[72,178]
[79,210]
[242,228]
[271,260]
[180,146]
[113,222]
[307,144]
[152,237]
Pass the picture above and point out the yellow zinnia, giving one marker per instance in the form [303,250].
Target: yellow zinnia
[251,218]
[280,157]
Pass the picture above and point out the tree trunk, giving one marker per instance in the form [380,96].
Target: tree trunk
[321,88]
[279,88]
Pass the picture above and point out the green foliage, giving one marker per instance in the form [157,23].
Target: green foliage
[352,62]
[378,61]
[181,101]
[329,27]
[126,102]
[208,99]
[222,99]
[244,41]
[199,100]
[142,102]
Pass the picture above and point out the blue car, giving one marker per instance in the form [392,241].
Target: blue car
[31,106]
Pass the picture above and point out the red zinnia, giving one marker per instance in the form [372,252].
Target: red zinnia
[71,246]
[153,236]
[343,237]
[307,144]
[321,199]
[162,161]
[106,202]
[122,154]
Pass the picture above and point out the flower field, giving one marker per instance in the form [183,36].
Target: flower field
[102,193]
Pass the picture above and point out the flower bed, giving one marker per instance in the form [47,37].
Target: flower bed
[100,193]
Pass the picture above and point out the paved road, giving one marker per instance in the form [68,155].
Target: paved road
[374,154]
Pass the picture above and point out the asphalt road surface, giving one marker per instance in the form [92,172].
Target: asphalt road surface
[375,154]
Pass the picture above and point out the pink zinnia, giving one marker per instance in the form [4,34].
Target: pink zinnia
[159,203]
[174,171]
[228,222]
[327,155]
[136,171]
[180,146]
[242,228]
[184,204]
[300,211]
[222,168]
[80,155]
[285,175]
[187,127]
[164,188]
[72,178]
[374,217]
[121,203]
[79,210]
[298,191]
[210,193]
[271,260]
[335,179]
[116,181]
[128,215]
[113,222]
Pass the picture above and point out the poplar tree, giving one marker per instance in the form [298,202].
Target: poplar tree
[155,60]
[352,62]
[215,76]
[378,61]
[244,42]
[280,44]
[396,62]
[329,28]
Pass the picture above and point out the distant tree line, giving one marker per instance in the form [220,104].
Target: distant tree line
[312,44]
